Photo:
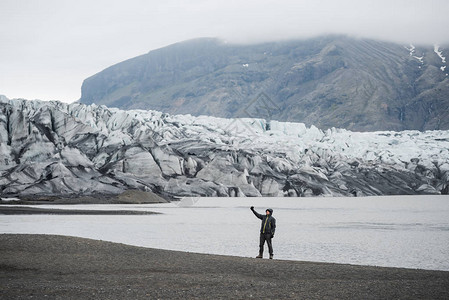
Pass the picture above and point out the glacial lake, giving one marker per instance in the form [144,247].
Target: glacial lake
[391,231]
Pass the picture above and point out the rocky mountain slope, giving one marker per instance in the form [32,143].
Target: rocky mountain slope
[331,81]
[52,148]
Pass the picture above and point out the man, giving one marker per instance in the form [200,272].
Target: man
[266,230]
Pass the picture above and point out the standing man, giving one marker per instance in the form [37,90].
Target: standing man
[266,230]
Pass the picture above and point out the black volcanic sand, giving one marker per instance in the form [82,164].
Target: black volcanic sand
[127,197]
[56,267]
[16,210]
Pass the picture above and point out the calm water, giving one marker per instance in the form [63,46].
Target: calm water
[405,231]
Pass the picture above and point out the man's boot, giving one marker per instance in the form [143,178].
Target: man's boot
[271,256]
[259,256]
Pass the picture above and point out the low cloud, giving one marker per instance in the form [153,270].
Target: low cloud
[44,40]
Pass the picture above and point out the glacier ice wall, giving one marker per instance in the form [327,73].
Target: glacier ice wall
[53,148]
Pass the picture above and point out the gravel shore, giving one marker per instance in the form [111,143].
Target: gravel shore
[57,267]
[17,210]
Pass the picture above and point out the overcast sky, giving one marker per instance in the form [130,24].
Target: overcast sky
[48,47]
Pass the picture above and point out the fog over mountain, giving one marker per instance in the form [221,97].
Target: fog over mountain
[329,81]
[49,47]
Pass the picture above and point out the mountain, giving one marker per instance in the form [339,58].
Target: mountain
[330,81]
[53,148]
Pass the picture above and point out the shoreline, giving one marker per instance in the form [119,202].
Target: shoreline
[64,267]
[130,196]
[16,210]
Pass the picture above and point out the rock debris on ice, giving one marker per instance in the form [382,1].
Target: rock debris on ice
[52,148]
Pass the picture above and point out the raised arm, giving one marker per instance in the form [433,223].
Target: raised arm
[256,213]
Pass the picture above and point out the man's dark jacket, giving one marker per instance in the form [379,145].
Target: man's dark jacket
[268,225]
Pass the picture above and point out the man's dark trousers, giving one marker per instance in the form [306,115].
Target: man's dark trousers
[265,237]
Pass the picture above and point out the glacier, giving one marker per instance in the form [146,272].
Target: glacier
[54,148]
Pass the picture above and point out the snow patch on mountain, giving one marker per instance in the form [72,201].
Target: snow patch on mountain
[58,148]
[412,51]
[436,49]
[420,59]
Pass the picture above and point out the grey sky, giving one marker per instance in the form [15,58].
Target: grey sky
[48,47]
